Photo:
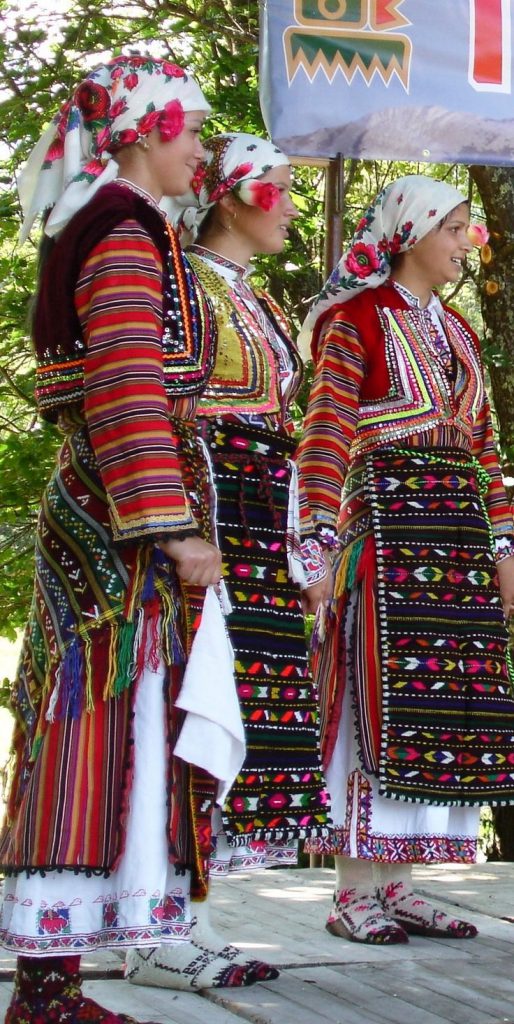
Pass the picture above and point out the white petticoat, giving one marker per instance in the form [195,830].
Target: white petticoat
[144,902]
[376,828]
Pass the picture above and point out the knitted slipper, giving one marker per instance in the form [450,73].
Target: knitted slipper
[418,917]
[188,966]
[360,918]
[208,938]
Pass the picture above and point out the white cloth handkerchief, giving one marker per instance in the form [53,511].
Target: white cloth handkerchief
[212,735]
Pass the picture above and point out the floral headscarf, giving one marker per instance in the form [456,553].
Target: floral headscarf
[401,215]
[119,103]
[235,162]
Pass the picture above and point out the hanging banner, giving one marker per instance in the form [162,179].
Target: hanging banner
[427,80]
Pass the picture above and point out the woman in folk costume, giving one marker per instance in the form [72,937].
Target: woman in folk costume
[271,559]
[415,684]
[106,835]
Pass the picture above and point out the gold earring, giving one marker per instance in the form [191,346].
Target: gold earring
[143,143]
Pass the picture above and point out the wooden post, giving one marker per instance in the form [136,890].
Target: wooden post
[334,210]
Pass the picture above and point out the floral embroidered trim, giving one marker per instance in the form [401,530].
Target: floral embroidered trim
[313,561]
[503,548]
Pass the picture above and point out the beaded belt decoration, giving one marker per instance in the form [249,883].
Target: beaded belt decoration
[448,712]
[279,793]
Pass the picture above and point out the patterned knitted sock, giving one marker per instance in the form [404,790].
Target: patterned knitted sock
[359,917]
[356,914]
[414,914]
[47,991]
[187,965]
[205,936]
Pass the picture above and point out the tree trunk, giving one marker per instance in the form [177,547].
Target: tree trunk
[496,188]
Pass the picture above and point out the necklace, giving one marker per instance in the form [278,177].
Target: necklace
[141,192]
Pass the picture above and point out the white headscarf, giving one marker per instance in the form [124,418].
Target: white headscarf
[119,103]
[235,162]
[401,215]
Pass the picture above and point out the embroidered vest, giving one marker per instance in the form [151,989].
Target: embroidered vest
[246,377]
[189,333]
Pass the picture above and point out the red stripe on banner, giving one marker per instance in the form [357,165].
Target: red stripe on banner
[386,15]
[488,48]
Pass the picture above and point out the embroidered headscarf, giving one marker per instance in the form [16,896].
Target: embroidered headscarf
[401,215]
[117,104]
[235,162]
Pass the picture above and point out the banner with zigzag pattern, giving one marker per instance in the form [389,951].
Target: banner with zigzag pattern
[422,80]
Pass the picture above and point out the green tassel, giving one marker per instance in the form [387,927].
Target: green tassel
[36,747]
[353,563]
[124,657]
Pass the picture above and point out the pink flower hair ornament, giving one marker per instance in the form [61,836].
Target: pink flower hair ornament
[253,192]
[478,234]
[171,121]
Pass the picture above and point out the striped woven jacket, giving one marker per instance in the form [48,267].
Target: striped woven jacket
[376,383]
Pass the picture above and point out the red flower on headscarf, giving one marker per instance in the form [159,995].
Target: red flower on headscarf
[172,70]
[55,151]
[133,61]
[198,179]
[93,101]
[239,172]
[395,243]
[93,169]
[103,140]
[218,192]
[228,184]
[171,121]
[362,260]
[130,81]
[118,107]
[148,121]
[62,121]
[125,138]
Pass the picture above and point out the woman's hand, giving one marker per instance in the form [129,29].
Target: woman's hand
[506,577]
[320,593]
[197,562]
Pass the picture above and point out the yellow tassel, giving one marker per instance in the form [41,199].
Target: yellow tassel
[111,663]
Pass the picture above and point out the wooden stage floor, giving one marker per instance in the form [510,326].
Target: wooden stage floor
[279,915]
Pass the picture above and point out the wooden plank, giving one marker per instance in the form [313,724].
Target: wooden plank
[291,999]
[466,987]
[363,989]
[157,1004]
[5,997]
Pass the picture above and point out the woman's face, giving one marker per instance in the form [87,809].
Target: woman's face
[265,231]
[438,258]
[172,165]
